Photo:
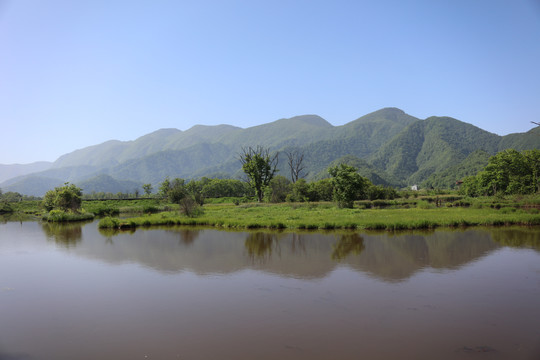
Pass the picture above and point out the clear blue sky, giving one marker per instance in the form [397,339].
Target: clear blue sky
[78,73]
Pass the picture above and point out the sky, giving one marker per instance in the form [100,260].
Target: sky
[78,73]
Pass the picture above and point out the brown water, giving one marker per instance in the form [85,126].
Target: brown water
[72,292]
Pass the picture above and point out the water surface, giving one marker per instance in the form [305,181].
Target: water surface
[73,292]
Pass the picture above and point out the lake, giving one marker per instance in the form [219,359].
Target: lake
[74,292]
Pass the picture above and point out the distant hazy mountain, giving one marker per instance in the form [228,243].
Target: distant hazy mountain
[14,170]
[389,146]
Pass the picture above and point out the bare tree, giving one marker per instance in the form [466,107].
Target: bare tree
[295,162]
[259,167]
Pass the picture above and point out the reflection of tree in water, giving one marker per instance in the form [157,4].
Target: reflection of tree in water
[346,245]
[108,233]
[261,245]
[187,236]
[298,244]
[517,237]
[67,235]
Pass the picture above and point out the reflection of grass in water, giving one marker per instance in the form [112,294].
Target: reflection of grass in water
[65,234]
[327,216]
[518,237]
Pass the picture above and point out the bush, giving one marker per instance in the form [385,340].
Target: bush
[65,198]
[109,223]
[189,207]
[62,216]
[5,208]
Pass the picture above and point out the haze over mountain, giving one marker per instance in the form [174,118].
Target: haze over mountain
[389,146]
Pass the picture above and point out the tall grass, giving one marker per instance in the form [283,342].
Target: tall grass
[327,216]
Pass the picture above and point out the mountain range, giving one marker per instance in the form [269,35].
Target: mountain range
[388,146]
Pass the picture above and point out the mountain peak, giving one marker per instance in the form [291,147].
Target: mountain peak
[314,120]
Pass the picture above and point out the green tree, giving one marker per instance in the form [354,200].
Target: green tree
[348,185]
[300,191]
[278,189]
[216,188]
[11,197]
[195,189]
[321,190]
[164,188]
[147,189]
[65,198]
[260,167]
[508,172]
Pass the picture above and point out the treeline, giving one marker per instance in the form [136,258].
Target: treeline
[279,189]
[7,200]
[509,172]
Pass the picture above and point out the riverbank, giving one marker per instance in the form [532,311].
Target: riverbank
[327,216]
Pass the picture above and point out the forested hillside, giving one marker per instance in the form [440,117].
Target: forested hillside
[388,146]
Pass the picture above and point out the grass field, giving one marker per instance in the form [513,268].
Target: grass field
[327,216]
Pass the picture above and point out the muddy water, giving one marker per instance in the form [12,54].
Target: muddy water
[73,292]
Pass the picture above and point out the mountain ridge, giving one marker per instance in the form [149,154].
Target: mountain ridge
[394,147]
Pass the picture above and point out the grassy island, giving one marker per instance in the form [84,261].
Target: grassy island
[419,214]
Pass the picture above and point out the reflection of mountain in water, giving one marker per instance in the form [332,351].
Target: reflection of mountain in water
[304,255]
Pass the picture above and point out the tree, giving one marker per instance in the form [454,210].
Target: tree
[259,167]
[348,185]
[65,198]
[11,197]
[278,189]
[508,172]
[195,189]
[147,189]
[295,160]
[321,190]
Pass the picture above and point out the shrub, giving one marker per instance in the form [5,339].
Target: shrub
[109,222]
[67,197]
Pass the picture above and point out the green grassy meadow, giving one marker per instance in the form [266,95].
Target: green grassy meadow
[328,216]
[422,212]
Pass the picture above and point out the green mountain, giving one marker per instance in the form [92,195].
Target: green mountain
[448,178]
[433,145]
[388,146]
[376,176]
[107,184]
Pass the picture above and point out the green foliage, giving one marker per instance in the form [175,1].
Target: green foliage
[449,178]
[11,197]
[300,192]
[395,148]
[321,190]
[379,192]
[216,188]
[278,189]
[57,215]
[5,207]
[508,172]
[195,189]
[348,185]
[109,223]
[189,207]
[64,198]
[173,191]
[326,216]
[259,167]
[147,189]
